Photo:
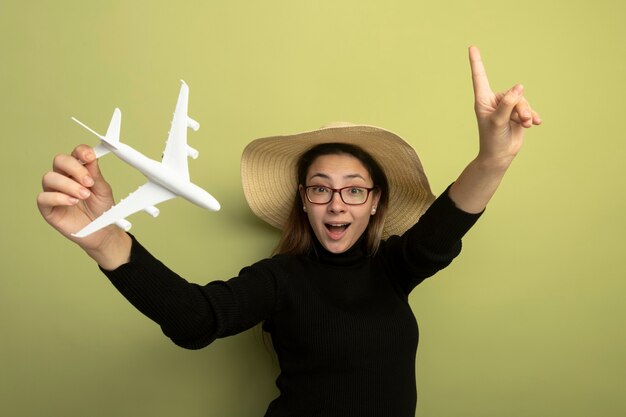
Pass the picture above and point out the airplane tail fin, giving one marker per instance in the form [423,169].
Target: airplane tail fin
[113,132]
[112,137]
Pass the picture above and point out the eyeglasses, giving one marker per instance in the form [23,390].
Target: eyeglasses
[352,196]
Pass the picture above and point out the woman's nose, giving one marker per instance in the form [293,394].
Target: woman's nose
[336,203]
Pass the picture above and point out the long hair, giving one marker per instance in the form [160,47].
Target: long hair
[297,236]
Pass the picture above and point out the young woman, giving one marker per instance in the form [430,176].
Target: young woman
[360,230]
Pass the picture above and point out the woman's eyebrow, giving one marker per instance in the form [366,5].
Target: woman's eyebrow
[319,175]
[350,176]
[327,177]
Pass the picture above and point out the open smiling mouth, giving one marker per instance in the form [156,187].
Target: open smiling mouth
[337,228]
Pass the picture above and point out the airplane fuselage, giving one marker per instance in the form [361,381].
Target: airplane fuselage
[164,176]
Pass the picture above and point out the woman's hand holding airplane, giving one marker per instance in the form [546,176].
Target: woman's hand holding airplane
[74,193]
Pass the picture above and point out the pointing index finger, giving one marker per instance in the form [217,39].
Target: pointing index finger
[479,75]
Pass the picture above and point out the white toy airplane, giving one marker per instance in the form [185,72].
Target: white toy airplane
[166,180]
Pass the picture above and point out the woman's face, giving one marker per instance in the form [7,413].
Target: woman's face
[336,224]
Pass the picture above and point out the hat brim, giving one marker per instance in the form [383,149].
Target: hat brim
[268,173]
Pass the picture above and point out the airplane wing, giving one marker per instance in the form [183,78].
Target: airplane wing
[144,198]
[175,154]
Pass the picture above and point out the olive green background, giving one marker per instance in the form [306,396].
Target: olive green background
[528,321]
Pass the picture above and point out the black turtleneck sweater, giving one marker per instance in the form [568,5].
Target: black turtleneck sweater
[341,324]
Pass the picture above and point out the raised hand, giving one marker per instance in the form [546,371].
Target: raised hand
[502,117]
[75,193]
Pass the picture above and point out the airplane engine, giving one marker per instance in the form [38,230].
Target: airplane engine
[151,210]
[123,224]
[192,123]
[192,152]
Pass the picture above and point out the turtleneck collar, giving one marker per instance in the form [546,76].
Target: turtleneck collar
[356,254]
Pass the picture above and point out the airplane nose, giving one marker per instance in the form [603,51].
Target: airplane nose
[211,203]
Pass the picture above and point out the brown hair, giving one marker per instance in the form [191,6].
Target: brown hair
[297,237]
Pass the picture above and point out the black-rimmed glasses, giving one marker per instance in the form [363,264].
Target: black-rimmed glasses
[353,196]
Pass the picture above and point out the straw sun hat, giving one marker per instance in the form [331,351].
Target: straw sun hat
[268,172]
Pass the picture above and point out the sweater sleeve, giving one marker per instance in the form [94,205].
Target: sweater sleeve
[431,244]
[194,315]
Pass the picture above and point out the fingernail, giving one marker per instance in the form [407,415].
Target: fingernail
[88,156]
[518,89]
[74,201]
[88,181]
[84,192]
